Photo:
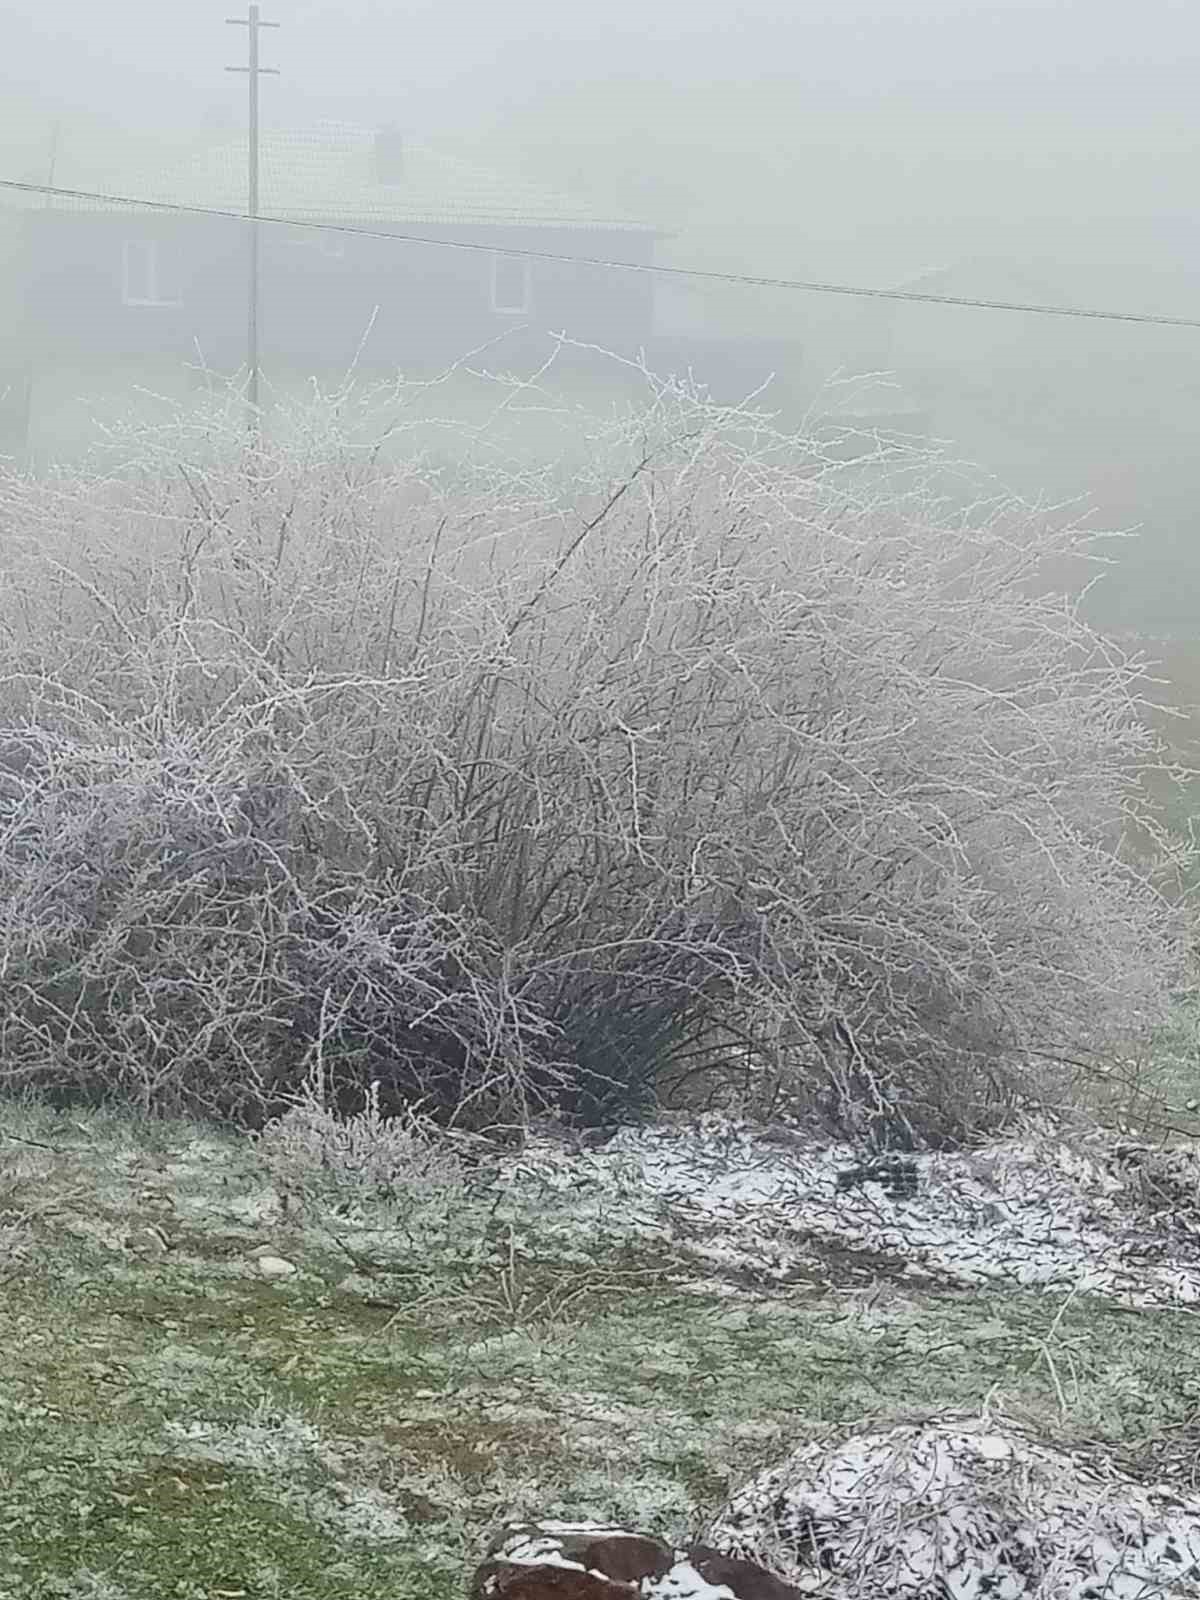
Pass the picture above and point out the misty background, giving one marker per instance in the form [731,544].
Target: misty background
[1023,151]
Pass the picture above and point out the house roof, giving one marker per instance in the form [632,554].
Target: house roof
[328,173]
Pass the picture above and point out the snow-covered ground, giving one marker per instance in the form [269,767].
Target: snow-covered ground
[1050,1209]
[964,1508]
[952,1507]
[947,1506]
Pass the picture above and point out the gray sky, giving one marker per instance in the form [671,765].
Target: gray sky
[1029,96]
[777,136]
[1101,58]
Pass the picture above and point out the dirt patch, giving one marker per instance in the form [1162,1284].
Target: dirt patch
[470,1449]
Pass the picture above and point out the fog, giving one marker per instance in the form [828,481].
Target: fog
[977,123]
[1021,151]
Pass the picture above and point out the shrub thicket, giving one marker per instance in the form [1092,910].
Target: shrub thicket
[697,762]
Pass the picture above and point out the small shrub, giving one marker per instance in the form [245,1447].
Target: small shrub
[311,1149]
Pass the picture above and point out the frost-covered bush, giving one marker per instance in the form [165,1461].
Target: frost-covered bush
[695,758]
[362,1154]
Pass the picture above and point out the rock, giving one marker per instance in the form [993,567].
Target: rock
[275,1267]
[147,1241]
[568,1561]
[586,1561]
[684,1582]
[895,1176]
[550,1583]
[267,1264]
[746,1579]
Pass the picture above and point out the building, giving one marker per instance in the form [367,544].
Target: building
[348,269]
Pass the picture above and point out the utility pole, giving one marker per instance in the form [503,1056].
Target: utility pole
[253,22]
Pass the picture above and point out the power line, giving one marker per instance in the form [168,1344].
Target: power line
[746,280]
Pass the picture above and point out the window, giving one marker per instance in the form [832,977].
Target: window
[511,288]
[147,278]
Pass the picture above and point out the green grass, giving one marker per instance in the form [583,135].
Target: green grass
[1156,1096]
[174,1426]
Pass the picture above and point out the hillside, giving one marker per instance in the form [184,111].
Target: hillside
[236,1368]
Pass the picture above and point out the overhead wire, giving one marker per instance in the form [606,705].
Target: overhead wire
[658,269]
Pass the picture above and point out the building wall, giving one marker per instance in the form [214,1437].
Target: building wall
[417,306]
